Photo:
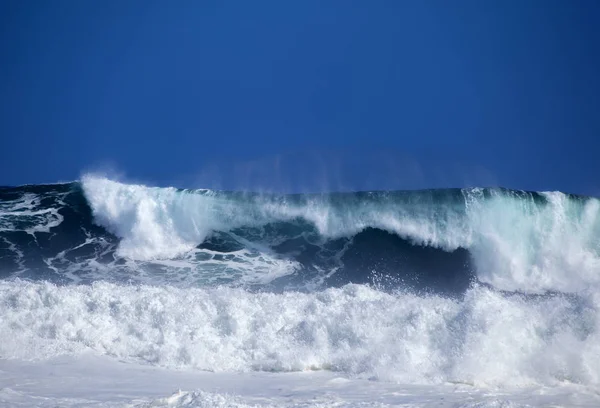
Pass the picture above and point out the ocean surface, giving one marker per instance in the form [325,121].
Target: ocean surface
[454,297]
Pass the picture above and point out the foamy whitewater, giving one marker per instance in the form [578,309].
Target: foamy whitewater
[114,294]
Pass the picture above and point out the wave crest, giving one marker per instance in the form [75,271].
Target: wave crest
[517,240]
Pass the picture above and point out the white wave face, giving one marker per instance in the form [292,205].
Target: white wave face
[516,244]
[487,338]
[154,223]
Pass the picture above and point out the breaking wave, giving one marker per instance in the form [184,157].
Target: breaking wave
[489,286]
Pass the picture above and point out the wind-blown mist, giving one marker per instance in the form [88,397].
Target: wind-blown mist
[338,170]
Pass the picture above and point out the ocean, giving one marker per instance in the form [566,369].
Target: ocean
[115,294]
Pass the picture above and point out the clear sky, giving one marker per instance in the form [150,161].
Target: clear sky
[303,94]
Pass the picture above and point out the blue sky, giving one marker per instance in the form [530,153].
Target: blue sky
[303,95]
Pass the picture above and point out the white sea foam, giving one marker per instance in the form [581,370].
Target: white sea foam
[104,382]
[520,245]
[516,243]
[486,339]
[26,214]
